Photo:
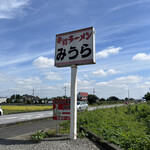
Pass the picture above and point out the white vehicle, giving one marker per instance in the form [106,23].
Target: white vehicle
[81,105]
[1,111]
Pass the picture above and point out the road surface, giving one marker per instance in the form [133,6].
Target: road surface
[7,119]
[27,128]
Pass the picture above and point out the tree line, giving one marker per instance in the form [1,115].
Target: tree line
[29,99]
[93,98]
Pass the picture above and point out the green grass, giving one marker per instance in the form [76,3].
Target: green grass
[127,127]
[107,103]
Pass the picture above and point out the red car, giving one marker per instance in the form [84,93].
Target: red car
[126,102]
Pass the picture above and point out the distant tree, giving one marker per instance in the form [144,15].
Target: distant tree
[8,100]
[102,99]
[126,99]
[147,96]
[16,101]
[12,97]
[92,98]
[40,101]
[18,96]
[113,98]
[131,99]
[65,97]
[28,101]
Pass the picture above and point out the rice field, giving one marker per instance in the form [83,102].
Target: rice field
[9,109]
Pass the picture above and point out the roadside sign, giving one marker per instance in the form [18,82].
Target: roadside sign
[61,109]
[75,48]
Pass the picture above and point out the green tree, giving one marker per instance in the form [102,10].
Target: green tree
[113,98]
[126,99]
[18,96]
[40,101]
[147,96]
[102,99]
[8,100]
[12,97]
[92,98]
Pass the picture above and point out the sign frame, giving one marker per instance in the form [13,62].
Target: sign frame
[74,43]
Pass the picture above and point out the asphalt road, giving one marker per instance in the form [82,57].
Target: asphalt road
[7,119]
[26,128]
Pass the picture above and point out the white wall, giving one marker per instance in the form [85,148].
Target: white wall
[3,99]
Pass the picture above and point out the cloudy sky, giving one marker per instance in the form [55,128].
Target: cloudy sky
[27,46]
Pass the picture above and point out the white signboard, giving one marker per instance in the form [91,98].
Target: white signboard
[75,48]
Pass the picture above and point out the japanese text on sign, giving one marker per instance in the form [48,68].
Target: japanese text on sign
[75,48]
[61,109]
[71,38]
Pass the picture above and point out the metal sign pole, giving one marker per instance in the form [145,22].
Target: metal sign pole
[73,123]
[57,128]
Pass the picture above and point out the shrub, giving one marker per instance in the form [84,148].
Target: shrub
[38,136]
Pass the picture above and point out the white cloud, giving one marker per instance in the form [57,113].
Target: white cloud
[102,84]
[67,85]
[120,86]
[128,5]
[33,80]
[84,82]
[112,71]
[12,8]
[85,75]
[43,62]
[103,73]
[100,72]
[141,56]
[28,81]
[85,85]
[108,51]
[128,79]
[52,76]
[147,83]
[2,77]
[122,81]
[20,82]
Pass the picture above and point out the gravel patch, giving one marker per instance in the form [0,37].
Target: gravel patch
[53,143]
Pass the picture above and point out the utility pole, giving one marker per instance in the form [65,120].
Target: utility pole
[65,88]
[94,91]
[33,92]
[128,95]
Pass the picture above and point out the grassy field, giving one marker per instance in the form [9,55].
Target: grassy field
[127,127]
[9,109]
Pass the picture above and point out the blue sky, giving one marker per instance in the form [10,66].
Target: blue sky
[27,46]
